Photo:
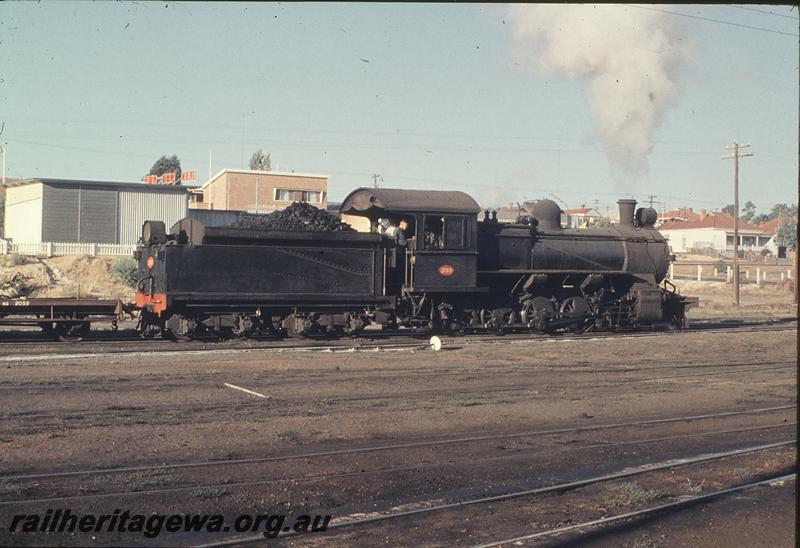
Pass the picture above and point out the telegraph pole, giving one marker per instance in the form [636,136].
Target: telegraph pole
[735,155]
[375,178]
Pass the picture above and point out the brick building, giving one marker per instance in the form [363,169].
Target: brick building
[259,191]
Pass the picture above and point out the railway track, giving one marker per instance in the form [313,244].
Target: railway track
[68,419]
[378,373]
[365,343]
[377,472]
[426,443]
[680,504]
[376,518]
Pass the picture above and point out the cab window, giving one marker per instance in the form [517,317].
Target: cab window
[444,232]
[434,232]
[454,232]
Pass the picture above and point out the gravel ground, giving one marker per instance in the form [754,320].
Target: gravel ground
[324,415]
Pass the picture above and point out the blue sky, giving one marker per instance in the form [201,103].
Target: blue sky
[427,95]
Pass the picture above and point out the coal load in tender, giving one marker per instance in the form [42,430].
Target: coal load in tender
[298,216]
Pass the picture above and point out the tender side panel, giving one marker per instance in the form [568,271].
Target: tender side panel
[273,270]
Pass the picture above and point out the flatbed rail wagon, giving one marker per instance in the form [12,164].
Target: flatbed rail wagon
[65,319]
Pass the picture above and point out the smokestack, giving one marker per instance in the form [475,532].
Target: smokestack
[626,208]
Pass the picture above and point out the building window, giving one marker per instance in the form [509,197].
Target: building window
[290,195]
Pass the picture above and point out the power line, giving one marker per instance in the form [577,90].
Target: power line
[710,20]
[374,146]
[272,129]
[762,11]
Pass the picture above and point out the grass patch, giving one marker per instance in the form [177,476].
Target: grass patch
[631,493]
[694,488]
[287,435]
[14,259]
[745,473]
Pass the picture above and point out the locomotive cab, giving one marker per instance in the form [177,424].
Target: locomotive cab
[440,251]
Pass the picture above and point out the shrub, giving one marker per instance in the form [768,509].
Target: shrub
[721,266]
[15,259]
[126,271]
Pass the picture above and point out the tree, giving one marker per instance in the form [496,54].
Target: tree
[167,165]
[761,218]
[260,162]
[728,209]
[748,211]
[787,235]
[783,210]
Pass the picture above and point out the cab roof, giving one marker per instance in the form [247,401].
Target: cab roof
[372,202]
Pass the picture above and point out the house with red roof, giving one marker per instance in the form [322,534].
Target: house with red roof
[713,230]
[771,227]
[510,213]
[580,217]
[680,214]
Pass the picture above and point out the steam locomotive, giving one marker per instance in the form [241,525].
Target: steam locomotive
[454,272]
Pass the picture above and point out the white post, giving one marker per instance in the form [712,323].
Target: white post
[699,273]
[758,276]
[728,274]
[50,249]
[747,274]
[671,271]
[716,273]
[782,277]
[789,273]
[94,250]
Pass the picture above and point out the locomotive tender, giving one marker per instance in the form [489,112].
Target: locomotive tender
[455,273]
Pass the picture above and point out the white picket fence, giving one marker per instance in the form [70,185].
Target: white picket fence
[51,249]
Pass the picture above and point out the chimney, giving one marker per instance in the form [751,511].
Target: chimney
[626,208]
[703,214]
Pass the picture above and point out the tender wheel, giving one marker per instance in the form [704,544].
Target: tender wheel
[180,329]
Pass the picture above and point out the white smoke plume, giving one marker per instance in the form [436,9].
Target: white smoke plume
[632,58]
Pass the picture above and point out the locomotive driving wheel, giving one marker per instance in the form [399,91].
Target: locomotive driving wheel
[574,307]
[537,312]
[577,308]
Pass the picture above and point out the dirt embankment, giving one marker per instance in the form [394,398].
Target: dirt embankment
[716,299]
[69,276]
